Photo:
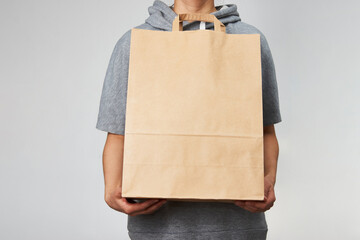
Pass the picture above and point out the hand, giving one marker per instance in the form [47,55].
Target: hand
[114,199]
[260,206]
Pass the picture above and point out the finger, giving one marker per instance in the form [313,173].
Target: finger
[135,207]
[257,204]
[239,203]
[117,204]
[252,203]
[269,206]
[246,206]
[271,199]
[267,189]
[251,209]
[265,205]
[150,209]
[271,195]
[154,206]
[242,202]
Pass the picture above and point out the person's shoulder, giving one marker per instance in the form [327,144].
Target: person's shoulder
[241,27]
[125,38]
[123,41]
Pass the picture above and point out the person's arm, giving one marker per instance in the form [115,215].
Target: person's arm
[271,152]
[112,168]
[271,116]
[112,165]
[111,119]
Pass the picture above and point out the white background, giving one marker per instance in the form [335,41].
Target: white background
[53,60]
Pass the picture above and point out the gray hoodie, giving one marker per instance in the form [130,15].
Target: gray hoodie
[187,220]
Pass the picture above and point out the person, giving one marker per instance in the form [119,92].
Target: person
[169,219]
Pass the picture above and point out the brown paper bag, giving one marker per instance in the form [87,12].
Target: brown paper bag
[194,128]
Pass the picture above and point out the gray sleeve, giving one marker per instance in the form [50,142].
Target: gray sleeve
[111,115]
[271,108]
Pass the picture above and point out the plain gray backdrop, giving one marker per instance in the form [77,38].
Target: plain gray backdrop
[53,58]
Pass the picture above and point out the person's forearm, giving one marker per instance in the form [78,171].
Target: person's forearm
[271,153]
[113,162]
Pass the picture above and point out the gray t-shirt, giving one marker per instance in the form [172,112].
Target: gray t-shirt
[177,219]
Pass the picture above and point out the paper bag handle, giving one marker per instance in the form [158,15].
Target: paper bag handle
[178,26]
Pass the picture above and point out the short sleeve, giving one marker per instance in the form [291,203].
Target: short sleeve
[112,108]
[271,107]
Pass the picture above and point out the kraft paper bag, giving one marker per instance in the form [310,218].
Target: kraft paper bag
[194,127]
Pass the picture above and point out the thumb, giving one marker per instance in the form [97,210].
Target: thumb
[266,193]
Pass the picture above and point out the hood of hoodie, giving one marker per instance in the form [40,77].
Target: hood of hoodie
[161,16]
